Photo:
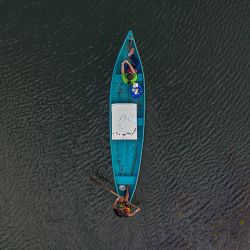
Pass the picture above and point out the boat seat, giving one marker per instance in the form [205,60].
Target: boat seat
[118,78]
[125,180]
[140,121]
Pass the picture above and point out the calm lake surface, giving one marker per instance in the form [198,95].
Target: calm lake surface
[56,62]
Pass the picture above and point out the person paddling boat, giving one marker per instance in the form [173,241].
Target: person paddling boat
[121,207]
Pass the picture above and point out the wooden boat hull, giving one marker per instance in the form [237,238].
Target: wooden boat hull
[127,154]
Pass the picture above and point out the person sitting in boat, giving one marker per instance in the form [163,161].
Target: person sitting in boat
[129,70]
[134,61]
[130,75]
[121,207]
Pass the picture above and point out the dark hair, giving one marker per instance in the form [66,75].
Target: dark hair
[129,76]
[119,212]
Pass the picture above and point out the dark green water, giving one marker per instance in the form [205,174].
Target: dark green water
[56,62]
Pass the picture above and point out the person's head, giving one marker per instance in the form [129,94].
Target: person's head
[129,76]
[119,212]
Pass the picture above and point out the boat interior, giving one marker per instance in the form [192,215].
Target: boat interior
[126,154]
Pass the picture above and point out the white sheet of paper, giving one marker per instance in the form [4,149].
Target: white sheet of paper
[124,121]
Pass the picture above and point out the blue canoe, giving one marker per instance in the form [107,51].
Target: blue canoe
[127,154]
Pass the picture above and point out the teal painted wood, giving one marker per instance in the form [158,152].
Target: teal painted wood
[127,154]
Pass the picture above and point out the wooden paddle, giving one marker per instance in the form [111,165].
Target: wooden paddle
[99,183]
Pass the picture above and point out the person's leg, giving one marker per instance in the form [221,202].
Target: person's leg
[126,67]
[121,199]
[127,193]
[135,62]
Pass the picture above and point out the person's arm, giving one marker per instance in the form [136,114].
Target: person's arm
[131,67]
[124,78]
[135,212]
[117,199]
[122,68]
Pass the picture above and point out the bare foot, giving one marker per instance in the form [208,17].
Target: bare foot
[131,52]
